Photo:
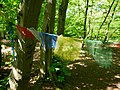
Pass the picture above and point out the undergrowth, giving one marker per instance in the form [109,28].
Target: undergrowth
[59,68]
[4,83]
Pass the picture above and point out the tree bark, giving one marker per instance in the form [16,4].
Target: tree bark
[28,17]
[62,16]
[48,27]
[85,30]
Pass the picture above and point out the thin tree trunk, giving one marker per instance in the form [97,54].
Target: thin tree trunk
[48,27]
[105,17]
[62,16]
[107,14]
[28,17]
[85,21]
[106,36]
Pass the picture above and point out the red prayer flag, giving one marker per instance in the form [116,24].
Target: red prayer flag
[25,32]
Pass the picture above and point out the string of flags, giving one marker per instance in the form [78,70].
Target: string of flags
[47,40]
[65,47]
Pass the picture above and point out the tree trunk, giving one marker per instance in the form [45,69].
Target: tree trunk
[112,16]
[105,18]
[85,30]
[28,17]
[48,27]
[62,16]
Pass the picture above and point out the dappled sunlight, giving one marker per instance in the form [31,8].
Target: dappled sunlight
[86,73]
[117,76]
[33,79]
[16,73]
[6,53]
[89,75]
[113,86]
[72,66]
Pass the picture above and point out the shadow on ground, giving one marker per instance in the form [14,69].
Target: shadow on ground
[86,74]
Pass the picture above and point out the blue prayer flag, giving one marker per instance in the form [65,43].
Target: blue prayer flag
[48,40]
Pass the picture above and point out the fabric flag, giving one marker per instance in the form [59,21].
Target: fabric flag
[102,55]
[25,32]
[68,48]
[47,40]
[91,45]
[35,33]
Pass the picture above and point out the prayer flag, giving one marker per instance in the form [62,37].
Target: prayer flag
[102,55]
[25,32]
[68,48]
[35,33]
[48,40]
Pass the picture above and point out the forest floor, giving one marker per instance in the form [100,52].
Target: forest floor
[86,74]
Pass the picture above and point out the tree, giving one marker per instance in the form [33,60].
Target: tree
[48,27]
[25,46]
[62,16]
[86,11]
[28,17]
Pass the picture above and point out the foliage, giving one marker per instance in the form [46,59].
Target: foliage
[4,83]
[74,19]
[59,67]
[41,17]
[74,27]
[9,13]
[97,11]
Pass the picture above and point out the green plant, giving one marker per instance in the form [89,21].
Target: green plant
[4,83]
[59,68]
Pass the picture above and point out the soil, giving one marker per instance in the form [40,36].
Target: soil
[86,74]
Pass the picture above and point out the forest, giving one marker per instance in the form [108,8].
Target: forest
[59,45]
